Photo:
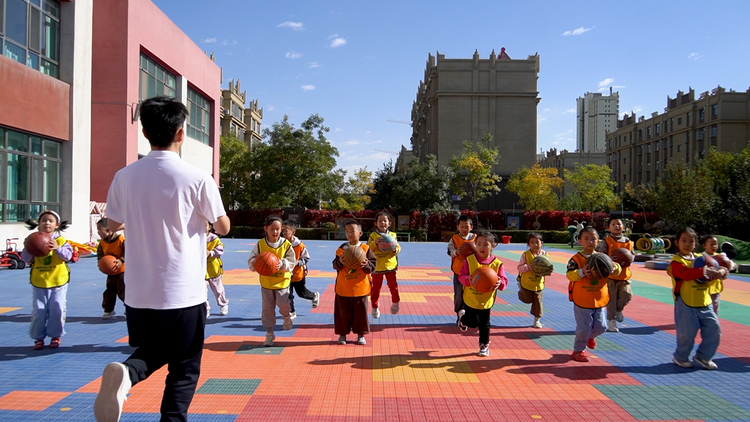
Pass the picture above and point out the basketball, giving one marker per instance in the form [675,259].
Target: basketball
[723,260]
[37,244]
[265,263]
[703,260]
[353,257]
[484,279]
[386,243]
[542,266]
[600,266]
[107,264]
[468,248]
[622,256]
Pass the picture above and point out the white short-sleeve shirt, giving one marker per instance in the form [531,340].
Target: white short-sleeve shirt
[164,203]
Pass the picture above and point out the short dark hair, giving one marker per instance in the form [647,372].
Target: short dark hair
[611,219]
[103,222]
[355,222]
[687,230]
[486,234]
[465,217]
[706,238]
[533,235]
[161,118]
[588,229]
[271,218]
[290,223]
[385,213]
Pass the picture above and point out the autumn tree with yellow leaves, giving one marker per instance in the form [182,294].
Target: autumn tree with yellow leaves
[536,187]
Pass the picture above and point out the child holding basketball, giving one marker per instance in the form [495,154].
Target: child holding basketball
[589,295]
[111,243]
[464,235]
[386,266]
[274,288]
[530,285]
[49,281]
[353,285]
[215,270]
[299,274]
[477,305]
[620,292]
[710,245]
[692,304]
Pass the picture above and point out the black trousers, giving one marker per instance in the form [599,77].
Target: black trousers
[172,337]
[478,318]
[301,289]
[115,288]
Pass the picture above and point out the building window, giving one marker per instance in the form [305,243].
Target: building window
[658,126]
[30,170]
[701,115]
[199,121]
[155,80]
[714,111]
[30,33]
[687,118]
[679,121]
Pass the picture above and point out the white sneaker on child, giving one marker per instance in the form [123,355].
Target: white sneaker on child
[705,363]
[461,325]
[316,300]
[394,308]
[361,340]
[342,340]
[537,323]
[112,393]
[288,324]
[108,315]
[224,310]
[484,350]
[375,313]
[270,337]
[292,315]
[208,312]
[612,326]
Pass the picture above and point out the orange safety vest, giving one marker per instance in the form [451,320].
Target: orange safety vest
[458,261]
[353,282]
[587,292]
[300,271]
[612,244]
[116,248]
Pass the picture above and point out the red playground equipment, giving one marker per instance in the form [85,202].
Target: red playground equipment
[11,258]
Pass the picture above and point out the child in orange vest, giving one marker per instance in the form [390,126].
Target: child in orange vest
[299,274]
[111,243]
[464,235]
[530,285]
[589,296]
[353,285]
[620,292]
[478,305]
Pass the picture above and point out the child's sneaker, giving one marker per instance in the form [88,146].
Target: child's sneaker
[316,300]
[270,337]
[537,323]
[375,313]
[619,317]
[361,340]
[484,349]
[612,326]
[591,344]
[288,323]
[682,363]
[342,340]
[394,308]
[704,363]
[292,315]
[224,310]
[54,343]
[580,356]
[39,344]
[461,325]
[108,315]
[112,393]
[208,312]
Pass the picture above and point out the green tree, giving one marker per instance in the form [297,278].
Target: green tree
[356,193]
[729,174]
[294,166]
[421,186]
[382,187]
[536,187]
[593,186]
[233,173]
[686,198]
[472,171]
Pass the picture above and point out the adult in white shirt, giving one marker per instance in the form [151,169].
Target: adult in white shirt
[163,204]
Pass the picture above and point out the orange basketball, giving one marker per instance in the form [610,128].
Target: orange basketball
[468,248]
[353,257]
[723,260]
[484,279]
[265,263]
[108,264]
[622,256]
[37,244]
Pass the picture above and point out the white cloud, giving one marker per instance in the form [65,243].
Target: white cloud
[269,108]
[336,41]
[606,82]
[570,111]
[308,87]
[313,65]
[694,56]
[577,31]
[540,118]
[210,40]
[352,142]
[293,55]
[227,42]
[295,26]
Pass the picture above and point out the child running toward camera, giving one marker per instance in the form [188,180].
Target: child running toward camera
[710,245]
[299,274]
[111,243]
[386,266]
[620,292]
[464,235]
[530,285]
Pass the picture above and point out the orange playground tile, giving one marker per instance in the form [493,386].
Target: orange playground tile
[31,400]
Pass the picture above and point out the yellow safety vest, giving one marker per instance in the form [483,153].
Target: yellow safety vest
[50,270]
[387,261]
[529,280]
[214,265]
[474,298]
[693,294]
[280,279]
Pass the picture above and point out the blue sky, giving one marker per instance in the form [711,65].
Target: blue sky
[359,63]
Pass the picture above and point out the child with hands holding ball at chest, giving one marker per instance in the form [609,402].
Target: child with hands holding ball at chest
[387,263]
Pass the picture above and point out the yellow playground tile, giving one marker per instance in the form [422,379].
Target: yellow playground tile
[416,297]
[4,310]
[240,277]
[31,400]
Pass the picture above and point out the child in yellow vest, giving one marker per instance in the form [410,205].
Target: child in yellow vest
[49,281]
[530,285]
[589,296]
[274,288]
[711,246]
[111,243]
[620,292]
[215,270]
[478,305]
[692,304]
[353,285]
[386,266]
[463,226]
[299,274]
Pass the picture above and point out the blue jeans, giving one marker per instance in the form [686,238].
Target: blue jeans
[48,308]
[687,322]
[589,324]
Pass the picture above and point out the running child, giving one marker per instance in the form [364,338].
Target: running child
[299,274]
[620,292]
[710,245]
[111,243]
[463,226]
[386,266]
[215,270]
[530,285]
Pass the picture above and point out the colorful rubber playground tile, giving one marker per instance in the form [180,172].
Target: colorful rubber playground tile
[416,364]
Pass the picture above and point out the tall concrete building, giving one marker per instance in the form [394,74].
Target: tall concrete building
[243,122]
[464,99]
[596,115]
[640,148]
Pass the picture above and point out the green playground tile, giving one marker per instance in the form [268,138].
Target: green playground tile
[257,349]
[565,342]
[646,402]
[240,387]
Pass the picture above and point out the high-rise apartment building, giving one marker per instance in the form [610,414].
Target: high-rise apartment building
[596,115]
[243,122]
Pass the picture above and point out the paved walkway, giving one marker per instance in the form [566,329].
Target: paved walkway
[416,365]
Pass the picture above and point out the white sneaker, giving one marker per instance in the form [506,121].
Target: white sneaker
[108,315]
[705,363]
[288,324]
[112,393]
[394,307]
[361,340]
[342,340]
[208,312]
[375,313]
[537,323]
[612,326]
[270,337]
[682,363]
[461,325]
[224,310]
[316,300]
[484,350]
[292,315]
[619,317]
